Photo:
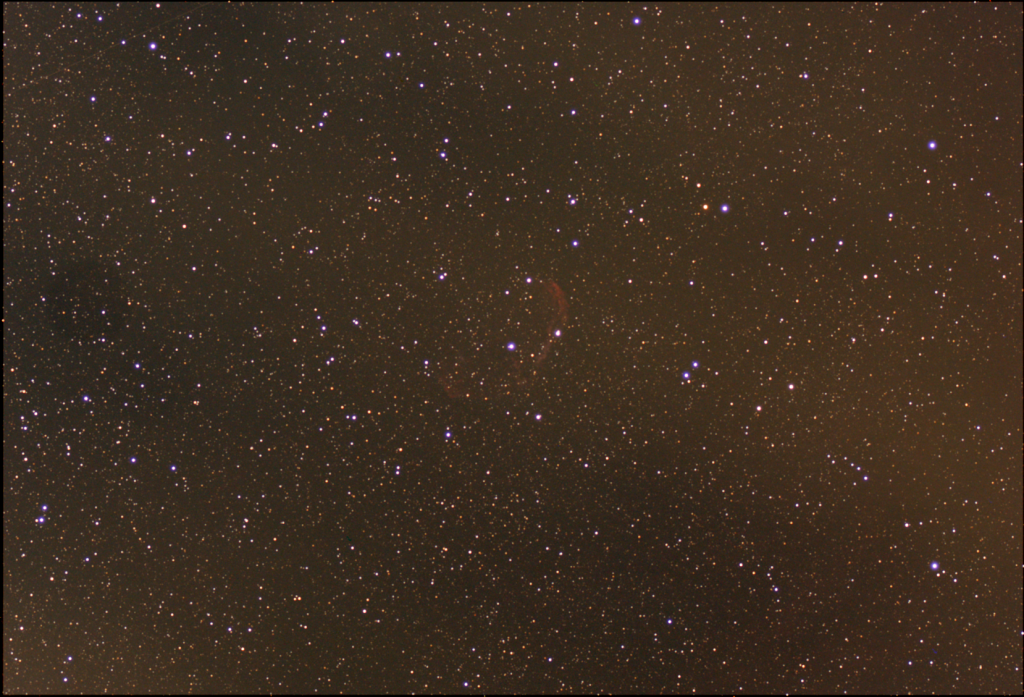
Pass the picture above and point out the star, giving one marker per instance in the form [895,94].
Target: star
[586,481]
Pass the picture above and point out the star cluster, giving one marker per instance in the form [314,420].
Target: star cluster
[558,348]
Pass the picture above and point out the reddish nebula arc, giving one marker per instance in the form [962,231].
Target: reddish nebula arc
[500,354]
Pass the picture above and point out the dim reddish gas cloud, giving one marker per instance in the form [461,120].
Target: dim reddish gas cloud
[497,347]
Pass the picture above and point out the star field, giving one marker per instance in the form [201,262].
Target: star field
[503,348]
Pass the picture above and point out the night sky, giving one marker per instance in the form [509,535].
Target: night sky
[503,348]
